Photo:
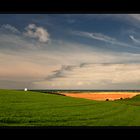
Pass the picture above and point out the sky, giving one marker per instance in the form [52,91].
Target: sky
[70,51]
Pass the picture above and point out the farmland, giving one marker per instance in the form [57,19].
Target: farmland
[20,108]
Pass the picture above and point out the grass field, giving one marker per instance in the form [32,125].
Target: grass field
[19,108]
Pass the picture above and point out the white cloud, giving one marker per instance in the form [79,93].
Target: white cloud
[15,42]
[105,38]
[134,39]
[12,39]
[39,33]
[98,36]
[10,28]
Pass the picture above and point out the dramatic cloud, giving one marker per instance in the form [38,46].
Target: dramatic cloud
[56,68]
[92,56]
[94,75]
[39,33]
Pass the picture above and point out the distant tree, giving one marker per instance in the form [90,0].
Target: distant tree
[107,99]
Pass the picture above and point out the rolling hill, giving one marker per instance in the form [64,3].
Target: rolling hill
[20,108]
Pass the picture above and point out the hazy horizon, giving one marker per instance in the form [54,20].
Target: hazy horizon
[70,51]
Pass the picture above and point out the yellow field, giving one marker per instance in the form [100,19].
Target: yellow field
[102,95]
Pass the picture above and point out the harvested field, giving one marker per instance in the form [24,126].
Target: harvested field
[103,95]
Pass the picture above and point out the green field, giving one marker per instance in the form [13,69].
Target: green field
[19,108]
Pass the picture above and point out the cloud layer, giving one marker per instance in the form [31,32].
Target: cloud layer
[93,76]
[77,52]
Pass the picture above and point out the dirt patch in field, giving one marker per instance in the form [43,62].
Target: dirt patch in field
[102,95]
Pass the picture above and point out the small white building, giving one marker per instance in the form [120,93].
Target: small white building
[25,89]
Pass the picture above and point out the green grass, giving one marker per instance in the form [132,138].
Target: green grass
[19,108]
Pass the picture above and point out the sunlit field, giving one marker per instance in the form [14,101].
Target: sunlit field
[20,108]
[103,96]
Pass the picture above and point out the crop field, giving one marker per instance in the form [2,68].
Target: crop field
[20,108]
